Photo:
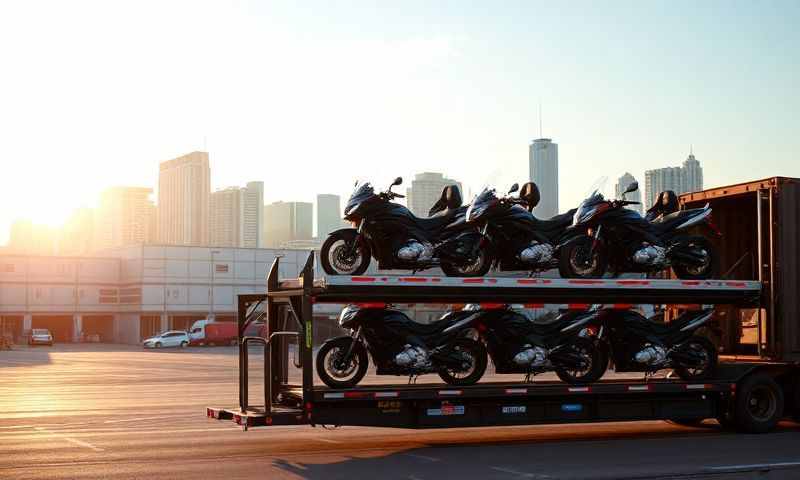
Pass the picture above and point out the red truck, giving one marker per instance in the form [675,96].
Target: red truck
[213,333]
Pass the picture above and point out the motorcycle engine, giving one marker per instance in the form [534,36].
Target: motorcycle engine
[650,255]
[537,253]
[652,355]
[531,356]
[414,251]
[412,357]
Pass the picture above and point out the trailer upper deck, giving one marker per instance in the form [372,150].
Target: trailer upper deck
[531,292]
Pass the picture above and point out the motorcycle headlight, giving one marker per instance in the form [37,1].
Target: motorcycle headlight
[583,215]
[351,209]
[475,212]
[347,314]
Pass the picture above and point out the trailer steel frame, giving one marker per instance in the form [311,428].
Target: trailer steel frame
[289,314]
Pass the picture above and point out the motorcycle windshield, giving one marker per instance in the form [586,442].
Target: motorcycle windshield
[481,203]
[587,207]
[361,193]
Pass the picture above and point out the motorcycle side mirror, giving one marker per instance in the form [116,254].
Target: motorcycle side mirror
[513,188]
[632,187]
[397,181]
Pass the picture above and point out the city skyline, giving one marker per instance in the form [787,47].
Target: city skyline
[448,90]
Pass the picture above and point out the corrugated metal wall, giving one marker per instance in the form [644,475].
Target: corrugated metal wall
[787,241]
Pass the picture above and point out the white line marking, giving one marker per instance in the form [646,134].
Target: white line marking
[756,465]
[142,418]
[328,440]
[69,439]
[422,457]
[511,471]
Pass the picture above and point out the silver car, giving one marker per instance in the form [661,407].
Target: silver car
[172,338]
[40,336]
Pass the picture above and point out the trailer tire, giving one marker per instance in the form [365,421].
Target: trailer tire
[759,404]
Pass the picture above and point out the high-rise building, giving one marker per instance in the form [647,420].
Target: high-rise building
[184,187]
[225,218]
[692,175]
[636,196]
[26,237]
[543,163]
[425,190]
[235,216]
[253,215]
[77,234]
[287,222]
[688,178]
[329,214]
[123,217]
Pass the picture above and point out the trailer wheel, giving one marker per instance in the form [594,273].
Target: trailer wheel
[331,369]
[759,404]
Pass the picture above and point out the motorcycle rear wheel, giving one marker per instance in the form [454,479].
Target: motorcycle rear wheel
[598,363]
[478,268]
[340,256]
[703,346]
[574,260]
[697,272]
[479,359]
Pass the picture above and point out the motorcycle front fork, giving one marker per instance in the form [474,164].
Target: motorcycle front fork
[356,337]
[595,240]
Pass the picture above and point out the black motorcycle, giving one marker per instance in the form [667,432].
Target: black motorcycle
[511,235]
[607,236]
[519,345]
[639,344]
[400,346]
[400,240]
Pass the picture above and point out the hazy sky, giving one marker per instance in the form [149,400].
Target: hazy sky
[308,96]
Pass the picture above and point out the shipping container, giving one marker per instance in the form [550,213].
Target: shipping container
[760,226]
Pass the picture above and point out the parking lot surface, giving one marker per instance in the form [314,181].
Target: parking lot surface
[99,411]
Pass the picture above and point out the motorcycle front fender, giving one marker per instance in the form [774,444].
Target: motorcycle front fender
[569,237]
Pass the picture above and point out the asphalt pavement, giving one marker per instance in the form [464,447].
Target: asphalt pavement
[111,411]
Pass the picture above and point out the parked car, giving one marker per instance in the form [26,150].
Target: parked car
[40,336]
[172,338]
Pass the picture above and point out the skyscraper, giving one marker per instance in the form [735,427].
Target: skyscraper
[235,218]
[253,215]
[688,178]
[329,214]
[225,218]
[184,185]
[123,217]
[286,222]
[543,163]
[425,190]
[636,196]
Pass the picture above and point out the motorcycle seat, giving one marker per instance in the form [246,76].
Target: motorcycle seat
[668,222]
[449,200]
[556,325]
[553,227]
[434,328]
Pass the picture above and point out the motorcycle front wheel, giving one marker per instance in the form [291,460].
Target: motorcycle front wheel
[342,254]
[700,246]
[475,358]
[577,259]
[595,363]
[334,370]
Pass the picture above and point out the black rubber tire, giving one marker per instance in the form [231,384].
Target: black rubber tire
[359,353]
[765,391]
[486,258]
[599,363]
[481,361]
[711,351]
[713,265]
[565,267]
[184,344]
[347,236]
[158,345]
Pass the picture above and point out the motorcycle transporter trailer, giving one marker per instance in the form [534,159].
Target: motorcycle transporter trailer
[751,396]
